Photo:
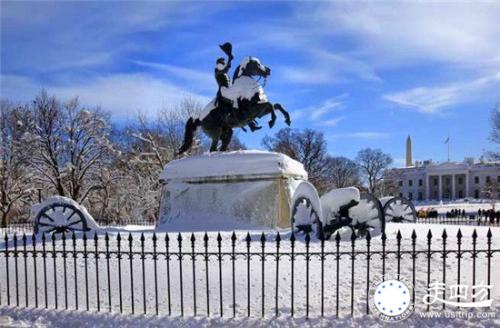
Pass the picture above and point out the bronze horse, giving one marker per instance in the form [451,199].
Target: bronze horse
[218,122]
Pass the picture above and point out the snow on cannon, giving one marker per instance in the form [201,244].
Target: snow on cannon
[398,209]
[347,211]
[59,214]
[236,190]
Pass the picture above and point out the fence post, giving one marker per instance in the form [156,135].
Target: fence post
[44,256]
[398,254]
[35,271]
[25,252]
[429,255]
[167,257]
[73,239]
[444,236]
[384,240]
[248,240]
[292,259]
[143,258]
[119,256]
[65,271]
[263,242]
[368,240]
[106,241]
[96,252]
[278,240]
[54,260]
[413,258]
[181,287]
[337,258]
[193,259]
[205,245]
[219,245]
[233,258]
[489,235]
[474,255]
[459,258]
[353,257]
[131,263]
[6,239]
[16,270]
[155,268]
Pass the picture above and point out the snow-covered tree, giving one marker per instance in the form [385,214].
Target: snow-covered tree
[69,146]
[15,177]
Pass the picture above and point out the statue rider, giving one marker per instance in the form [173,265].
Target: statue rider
[223,81]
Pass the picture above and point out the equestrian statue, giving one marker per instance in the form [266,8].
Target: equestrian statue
[238,103]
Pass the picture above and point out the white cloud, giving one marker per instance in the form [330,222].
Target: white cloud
[121,94]
[397,33]
[315,113]
[435,100]
[331,122]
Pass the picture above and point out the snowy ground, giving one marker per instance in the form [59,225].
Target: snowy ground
[13,317]
[56,317]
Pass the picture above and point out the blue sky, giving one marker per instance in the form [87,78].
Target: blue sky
[365,74]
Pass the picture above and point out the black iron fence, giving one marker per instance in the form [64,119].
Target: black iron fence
[232,275]
[474,220]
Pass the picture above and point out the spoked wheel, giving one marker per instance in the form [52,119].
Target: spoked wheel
[367,216]
[58,218]
[399,209]
[305,218]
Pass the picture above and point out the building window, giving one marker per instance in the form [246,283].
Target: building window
[420,196]
[488,179]
[400,183]
[410,196]
[435,182]
[410,182]
[421,182]
[460,194]
[476,179]
[498,179]
[460,180]
[476,193]
[400,195]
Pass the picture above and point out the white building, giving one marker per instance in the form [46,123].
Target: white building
[447,181]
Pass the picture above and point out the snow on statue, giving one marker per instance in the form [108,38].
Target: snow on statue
[237,104]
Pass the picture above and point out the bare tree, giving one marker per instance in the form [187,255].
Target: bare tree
[308,147]
[372,163]
[15,177]
[495,132]
[69,146]
[342,172]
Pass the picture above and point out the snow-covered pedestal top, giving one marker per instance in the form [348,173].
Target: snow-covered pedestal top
[243,164]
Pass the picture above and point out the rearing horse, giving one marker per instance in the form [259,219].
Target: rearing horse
[250,102]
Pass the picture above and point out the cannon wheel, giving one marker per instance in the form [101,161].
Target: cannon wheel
[376,214]
[305,218]
[399,209]
[58,218]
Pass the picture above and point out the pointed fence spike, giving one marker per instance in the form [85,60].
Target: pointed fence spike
[278,237]
[179,237]
[167,238]
[118,237]
[95,236]
[398,235]
[474,234]
[205,237]
[248,238]
[444,235]
[192,237]
[413,235]
[292,237]
[429,234]
[459,233]
[142,237]
[219,237]
[262,238]
[154,237]
[368,235]
[489,234]
[337,237]
[307,239]
[106,237]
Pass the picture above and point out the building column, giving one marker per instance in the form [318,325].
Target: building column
[440,183]
[427,189]
[466,193]
[453,187]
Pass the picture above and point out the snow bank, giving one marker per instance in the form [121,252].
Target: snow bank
[228,165]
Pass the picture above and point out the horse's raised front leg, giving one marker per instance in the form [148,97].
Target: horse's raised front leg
[284,112]
[227,134]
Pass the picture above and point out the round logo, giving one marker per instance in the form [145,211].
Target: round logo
[391,299]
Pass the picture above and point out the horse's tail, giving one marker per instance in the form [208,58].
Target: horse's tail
[191,126]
